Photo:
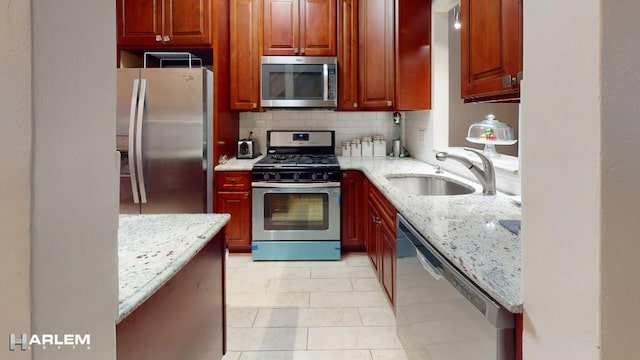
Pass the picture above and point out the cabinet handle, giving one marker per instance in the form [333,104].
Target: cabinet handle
[254,105]
[158,37]
[295,51]
[301,51]
[166,38]
[508,81]
[355,105]
[520,76]
[389,103]
[246,196]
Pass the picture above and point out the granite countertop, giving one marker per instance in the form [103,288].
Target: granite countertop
[235,164]
[153,248]
[463,228]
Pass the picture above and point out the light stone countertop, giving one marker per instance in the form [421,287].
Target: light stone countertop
[153,248]
[235,164]
[464,228]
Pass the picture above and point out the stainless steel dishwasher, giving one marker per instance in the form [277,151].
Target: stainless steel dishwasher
[442,315]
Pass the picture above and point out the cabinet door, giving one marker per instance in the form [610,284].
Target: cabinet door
[139,22]
[318,27]
[376,54]
[281,27]
[388,261]
[244,46]
[348,55]
[238,229]
[187,22]
[491,42]
[353,210]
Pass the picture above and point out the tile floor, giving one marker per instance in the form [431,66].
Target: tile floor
[308,310]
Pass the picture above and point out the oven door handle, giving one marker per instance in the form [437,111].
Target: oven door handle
[285,185]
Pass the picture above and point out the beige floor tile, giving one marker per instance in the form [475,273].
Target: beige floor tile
[377,316]
[342,272]
[347,299]
[391,355]
[328,285]
[248,284]
[308,317]
[272,300]
[307,355]
[295,264]
[241,317]
[264,339]
[363,337]
[243,273]
[366,284]
[360,259]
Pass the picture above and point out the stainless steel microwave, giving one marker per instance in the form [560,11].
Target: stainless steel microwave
[298,82]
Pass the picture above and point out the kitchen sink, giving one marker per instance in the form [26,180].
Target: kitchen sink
[429,185]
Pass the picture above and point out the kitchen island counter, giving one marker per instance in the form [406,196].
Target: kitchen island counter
[153,248]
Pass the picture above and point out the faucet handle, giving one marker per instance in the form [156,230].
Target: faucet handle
[486,162]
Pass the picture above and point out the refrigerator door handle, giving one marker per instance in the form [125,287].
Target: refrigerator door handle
[132,142]
[138,151]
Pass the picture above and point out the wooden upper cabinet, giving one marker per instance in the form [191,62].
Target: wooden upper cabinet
[244,46]
[348,55]
[155,23]
[491,41]
[376,54]
[300,27]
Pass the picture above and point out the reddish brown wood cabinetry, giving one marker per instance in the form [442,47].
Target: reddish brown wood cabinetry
[156,23]
[391,68]
[491,41]
[300,27]
[233,196]
[244,22]
[381,240]
[353,210]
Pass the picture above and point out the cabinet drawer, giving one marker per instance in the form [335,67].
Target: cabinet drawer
[233,180]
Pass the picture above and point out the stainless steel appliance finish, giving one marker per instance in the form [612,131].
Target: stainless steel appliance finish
[299,81]
[440,314]
[296,198]
[164,130]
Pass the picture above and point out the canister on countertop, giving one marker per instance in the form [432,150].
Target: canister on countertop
[356,149]
[367,146]
[379,146]
[346,148]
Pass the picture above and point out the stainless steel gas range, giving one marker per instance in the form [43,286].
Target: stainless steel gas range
[296,197]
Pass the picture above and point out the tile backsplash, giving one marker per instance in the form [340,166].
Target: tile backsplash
[347,125]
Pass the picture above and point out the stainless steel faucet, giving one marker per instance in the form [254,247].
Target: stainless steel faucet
[486,176]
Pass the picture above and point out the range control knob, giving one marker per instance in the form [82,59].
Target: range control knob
[325,176]
[276,176]
[314,176]
[296,176]
[265,176]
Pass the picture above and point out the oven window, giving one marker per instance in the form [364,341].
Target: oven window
[307,211]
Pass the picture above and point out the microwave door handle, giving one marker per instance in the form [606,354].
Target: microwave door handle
[325,76]
[132,142]
[138,159]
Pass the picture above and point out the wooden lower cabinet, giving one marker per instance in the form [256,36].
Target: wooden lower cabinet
[233,196]
[381,241]
[353,210]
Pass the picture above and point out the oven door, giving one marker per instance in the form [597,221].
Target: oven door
[296,211]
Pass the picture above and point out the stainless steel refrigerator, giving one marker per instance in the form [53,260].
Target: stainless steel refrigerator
[164,134]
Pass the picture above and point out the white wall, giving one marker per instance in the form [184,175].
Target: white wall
[60,202]
[579,181]
[15,170]
[620,170]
